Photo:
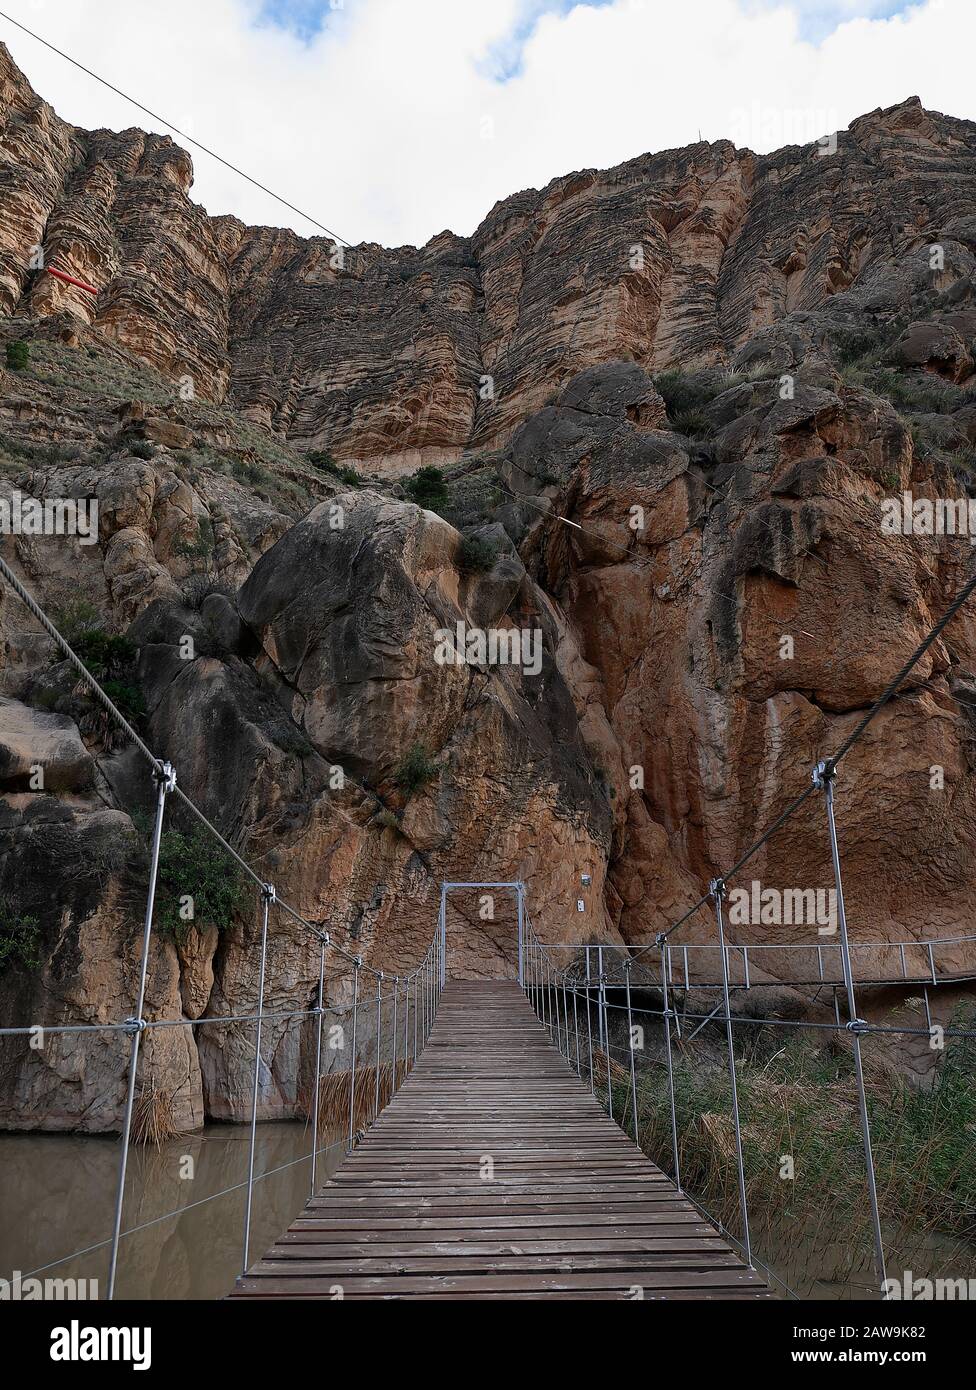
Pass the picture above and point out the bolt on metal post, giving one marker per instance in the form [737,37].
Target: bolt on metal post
[823,778]
[165,783]
[717,891]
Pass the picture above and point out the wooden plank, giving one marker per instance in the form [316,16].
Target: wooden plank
[570,1208]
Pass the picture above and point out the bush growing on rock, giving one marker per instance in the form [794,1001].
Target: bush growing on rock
[20,938]
[110,658]
[191,878]
[325,463]
[416,769]
[476,556]
[428,489]
[18,356]
[685,394]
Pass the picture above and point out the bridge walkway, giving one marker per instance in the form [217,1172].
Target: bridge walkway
[494,1173]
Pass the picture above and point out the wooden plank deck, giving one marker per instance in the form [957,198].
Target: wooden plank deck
[572,1208]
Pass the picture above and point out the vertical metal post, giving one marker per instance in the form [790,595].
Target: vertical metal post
[165,782]
[318,1061]
[406,1023]
[379,1035]
[599,971]
[576,1029]
[520,901]
[416,1015]
[605,1031]
[422,984]
[352,1065]
[557,1023]
[667,1038]
[823,777]
[554,1002]
[717,890]
[589,1022]
[557,1026]
[396,991]
[267,898]
[630,1047]
[443,936]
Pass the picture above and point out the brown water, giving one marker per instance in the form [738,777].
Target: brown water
[57,1195]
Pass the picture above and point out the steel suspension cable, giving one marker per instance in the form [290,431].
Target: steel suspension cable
[170,126]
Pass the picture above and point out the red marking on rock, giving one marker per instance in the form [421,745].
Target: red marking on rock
[70,280]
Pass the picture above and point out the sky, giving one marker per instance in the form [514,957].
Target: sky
[393,120]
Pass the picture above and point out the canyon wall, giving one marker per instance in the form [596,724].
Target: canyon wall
[669,399]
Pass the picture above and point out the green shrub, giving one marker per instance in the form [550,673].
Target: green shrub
[76,619]
[476,556]
[110,659]
[694,423]
[682,391]
[18,355]
[248,472]
[127,699]
[105,655]
[416,769]
[325,463]
[20,938]
[189,868]
[428,489]
[201,547]
[141,449]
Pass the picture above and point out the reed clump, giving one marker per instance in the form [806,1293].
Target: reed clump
[334,1097]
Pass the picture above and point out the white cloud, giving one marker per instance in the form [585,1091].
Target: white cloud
[377,126]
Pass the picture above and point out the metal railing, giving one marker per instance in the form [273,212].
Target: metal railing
[571,995]
[698,965]
[406,1003]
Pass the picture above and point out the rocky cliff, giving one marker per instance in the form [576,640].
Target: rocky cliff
[669,400]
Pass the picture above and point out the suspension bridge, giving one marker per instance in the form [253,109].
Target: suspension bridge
[481,1130]
[494,1173]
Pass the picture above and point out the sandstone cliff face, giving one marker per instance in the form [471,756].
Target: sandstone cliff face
[707,372]
[396,358]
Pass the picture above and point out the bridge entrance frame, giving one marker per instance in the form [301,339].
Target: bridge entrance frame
[517,887]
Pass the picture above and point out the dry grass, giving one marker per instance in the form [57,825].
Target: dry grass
[334,1097]
[804,1163]
[153,1115]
